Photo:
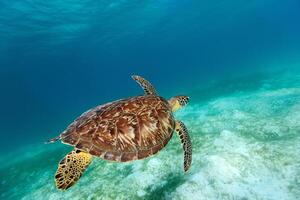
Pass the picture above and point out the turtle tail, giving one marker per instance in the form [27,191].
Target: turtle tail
[52,140]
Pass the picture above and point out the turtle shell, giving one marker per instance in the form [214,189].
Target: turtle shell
[123,130]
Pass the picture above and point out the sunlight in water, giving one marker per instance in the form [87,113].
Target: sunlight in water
[238,61]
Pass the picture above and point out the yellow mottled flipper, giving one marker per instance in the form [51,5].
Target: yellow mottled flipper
[187,144]
[70,169]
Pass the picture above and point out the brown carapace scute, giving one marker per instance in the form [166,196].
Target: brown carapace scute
[123,130]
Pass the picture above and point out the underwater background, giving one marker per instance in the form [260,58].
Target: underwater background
[239,61]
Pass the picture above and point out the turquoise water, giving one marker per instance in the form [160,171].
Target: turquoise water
[246,145]
[238,61]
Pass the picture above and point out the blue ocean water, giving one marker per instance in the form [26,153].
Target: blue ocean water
[237,60]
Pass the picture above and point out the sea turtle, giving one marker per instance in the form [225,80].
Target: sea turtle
[124,130]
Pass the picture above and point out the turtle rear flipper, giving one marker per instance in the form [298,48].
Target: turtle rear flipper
[70,168]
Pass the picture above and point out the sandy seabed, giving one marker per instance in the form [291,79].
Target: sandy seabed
[246,145]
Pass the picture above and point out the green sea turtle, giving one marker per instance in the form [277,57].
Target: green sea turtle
[124,130]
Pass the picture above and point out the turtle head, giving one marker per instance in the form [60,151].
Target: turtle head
[178,102]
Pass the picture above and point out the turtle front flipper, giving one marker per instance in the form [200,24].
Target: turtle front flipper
[186,142]
[70,168]
[146,85]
